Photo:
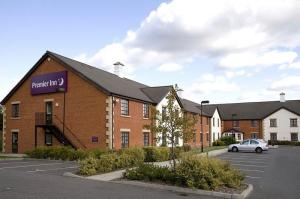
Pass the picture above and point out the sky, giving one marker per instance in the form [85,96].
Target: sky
[219,50]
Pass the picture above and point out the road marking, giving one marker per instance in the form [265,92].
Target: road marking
[252,177]
[227,158]
[250,165]
[14,162]
[24,166]
[248,162]
[252,170]
[40,170]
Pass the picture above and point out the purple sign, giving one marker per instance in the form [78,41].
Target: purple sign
[94,139]
[49,83]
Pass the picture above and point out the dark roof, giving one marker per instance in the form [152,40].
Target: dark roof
[210,110]
[255,110]
[108,81]
[193,107]
[156,94]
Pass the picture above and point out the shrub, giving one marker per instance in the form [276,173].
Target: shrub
[218,143]
[150,172]
[192,171]
[88,166]
[134,156]
[283,142]
[156,154]
[97,153]
[186,147]
[228,140]
[57,153]
[106,163]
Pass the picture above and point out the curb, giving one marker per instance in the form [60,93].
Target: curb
[72,175]
[242,195]
[273,147]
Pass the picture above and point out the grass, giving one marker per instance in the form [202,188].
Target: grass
[206,149]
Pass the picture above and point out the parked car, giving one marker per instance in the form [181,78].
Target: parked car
[255,145]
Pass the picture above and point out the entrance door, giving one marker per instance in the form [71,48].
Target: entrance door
[49,112]
[14,143]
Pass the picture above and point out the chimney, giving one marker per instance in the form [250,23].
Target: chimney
[117,66]
[282,97]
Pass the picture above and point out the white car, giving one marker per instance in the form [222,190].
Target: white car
[255,145]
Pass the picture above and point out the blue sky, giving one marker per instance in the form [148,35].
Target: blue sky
[224,51]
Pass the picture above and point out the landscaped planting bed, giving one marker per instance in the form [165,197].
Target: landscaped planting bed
[193,172]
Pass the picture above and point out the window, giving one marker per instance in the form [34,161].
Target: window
[239,136]
[273,136]
[218,122]
[246,142]
[273,122]
[176,141]
[145,110]
[293,122]
[254,123]
[218,135]
[125,140]
[213,121]
[253,142]
[201,137]
[164,112]
[214,136]
[236,123]
[207,121]
[48,138]
[207,137]
[124,107]
[294,137]
[254,136]
[15,110]
[146,138]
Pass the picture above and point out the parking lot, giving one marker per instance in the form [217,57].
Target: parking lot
[273,174]
[32,166]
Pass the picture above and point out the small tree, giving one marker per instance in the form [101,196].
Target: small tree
[172,124]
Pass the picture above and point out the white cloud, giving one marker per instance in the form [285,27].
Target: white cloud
[238,73]
[170,67]
[238,33]
[294,65]
[246,59]
[286,83]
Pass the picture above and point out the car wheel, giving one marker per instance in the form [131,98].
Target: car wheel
[258,150]
[235,149]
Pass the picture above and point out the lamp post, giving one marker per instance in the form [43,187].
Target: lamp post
[202,102]
[62,90]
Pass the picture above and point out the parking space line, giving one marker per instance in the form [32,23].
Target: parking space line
[252,159]
[32,165]
[252,177]
[256,162]
[250,165]
[252,170]
[56,169]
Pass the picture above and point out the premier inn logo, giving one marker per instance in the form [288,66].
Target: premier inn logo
[49,83]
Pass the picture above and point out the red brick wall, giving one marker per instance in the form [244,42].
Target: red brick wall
[206,130]
[134,122]
[245,126]
[85,110]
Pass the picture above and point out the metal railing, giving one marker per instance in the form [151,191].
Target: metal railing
[41,120]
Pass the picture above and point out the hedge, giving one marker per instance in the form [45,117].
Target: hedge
[283,142]
[64,153]
[112,161]
[192,171]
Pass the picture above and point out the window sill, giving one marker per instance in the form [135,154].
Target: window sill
[15,118]
[128,116]
[294,126]
[144,118]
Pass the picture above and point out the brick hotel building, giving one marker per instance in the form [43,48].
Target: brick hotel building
[61,101]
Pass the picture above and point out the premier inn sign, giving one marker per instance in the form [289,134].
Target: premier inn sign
[49,83]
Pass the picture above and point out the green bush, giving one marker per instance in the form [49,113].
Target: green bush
[218,143]
[97,153]
[88,166]
[192,171]
[57,153]
[156,154]
[283,142]
[150,172]
[228,140]
[107,163]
